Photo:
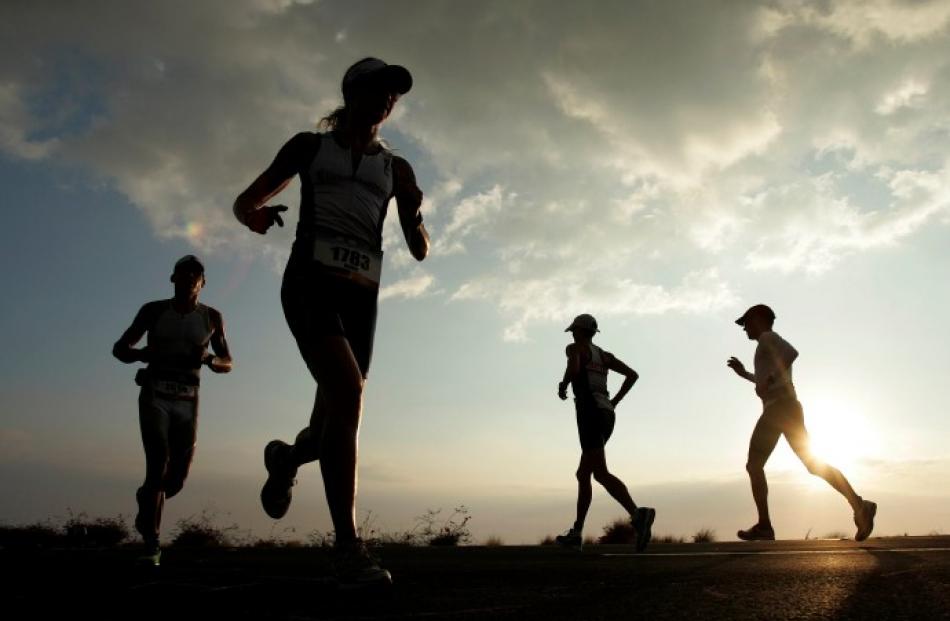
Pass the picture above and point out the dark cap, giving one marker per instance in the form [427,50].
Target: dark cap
[189,259]
[374,71]
[583,322]
[760,310]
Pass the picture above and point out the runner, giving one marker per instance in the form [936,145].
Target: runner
[179,332]
[782,415]
[586,372]
[331,284]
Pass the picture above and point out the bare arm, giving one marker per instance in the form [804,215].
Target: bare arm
[124,349]
[630,377]
[736,365]
[571,371]
[220,361]
[250,208]
[408,201]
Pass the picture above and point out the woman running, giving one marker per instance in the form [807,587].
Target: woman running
[331,285]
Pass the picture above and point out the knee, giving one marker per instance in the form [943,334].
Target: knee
[814,466]
[754,467]
[601,475]
[346,402]
[583,475]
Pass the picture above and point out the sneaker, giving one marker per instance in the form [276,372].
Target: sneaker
[278,489]
[570,539]
[643,523]
[757,533]
[151,556]
[356,566]
[864,519]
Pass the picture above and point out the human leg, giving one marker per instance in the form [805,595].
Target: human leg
[765,436]
[150,497]
[864,510]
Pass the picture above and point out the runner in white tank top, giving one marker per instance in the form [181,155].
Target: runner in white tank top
[179,333]
[782,414]
[330,286]
[586,372]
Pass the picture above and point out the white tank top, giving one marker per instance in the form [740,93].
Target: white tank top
[595,372]
[343,201]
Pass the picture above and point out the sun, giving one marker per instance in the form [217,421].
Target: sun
[841,434]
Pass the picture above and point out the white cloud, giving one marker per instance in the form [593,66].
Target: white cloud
[411,287]
[559,149]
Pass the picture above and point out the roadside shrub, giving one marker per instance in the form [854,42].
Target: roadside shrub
[619,531]
[547,540]
[30,536]
[80,531]
[200,531]
[432,530]
[704,535]
[494,541]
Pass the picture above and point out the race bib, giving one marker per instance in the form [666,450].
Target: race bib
[362,265]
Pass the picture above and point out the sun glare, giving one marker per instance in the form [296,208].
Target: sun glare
[840,435]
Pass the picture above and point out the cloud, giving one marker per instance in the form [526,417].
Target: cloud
[411,287]
[558,298]
[654,147]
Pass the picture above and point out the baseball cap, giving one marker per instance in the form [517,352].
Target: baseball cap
[370,70]
[189,259]
[759,309]
[583,322]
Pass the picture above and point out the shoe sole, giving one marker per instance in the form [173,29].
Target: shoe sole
[279,512]
[643,538]
[858,536]
[748,537]
[382,580]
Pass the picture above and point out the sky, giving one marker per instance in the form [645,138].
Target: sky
[662,165]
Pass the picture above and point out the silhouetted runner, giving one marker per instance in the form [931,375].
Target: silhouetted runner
[586,372]
[331,284]
[179,332]
[782,415]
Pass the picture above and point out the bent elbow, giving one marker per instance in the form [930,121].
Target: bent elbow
[241,208]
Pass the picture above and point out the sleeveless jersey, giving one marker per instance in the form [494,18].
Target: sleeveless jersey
[591,384]
[335,198]
[178,342]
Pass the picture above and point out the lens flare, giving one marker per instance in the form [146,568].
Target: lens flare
[194,231]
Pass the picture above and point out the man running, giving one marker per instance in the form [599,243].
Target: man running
[179,332]
[331,286]
[782,415]
[586,372]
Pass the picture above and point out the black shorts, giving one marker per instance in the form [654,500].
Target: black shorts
[318,303]
[782,418]
[594,424]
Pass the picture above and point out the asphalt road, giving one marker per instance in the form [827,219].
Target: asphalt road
[889,578]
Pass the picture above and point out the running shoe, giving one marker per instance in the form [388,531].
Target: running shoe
[278,489]
[570,539]
[643,523]
[356,566]
[864,519]
[151,556]
[757,533]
